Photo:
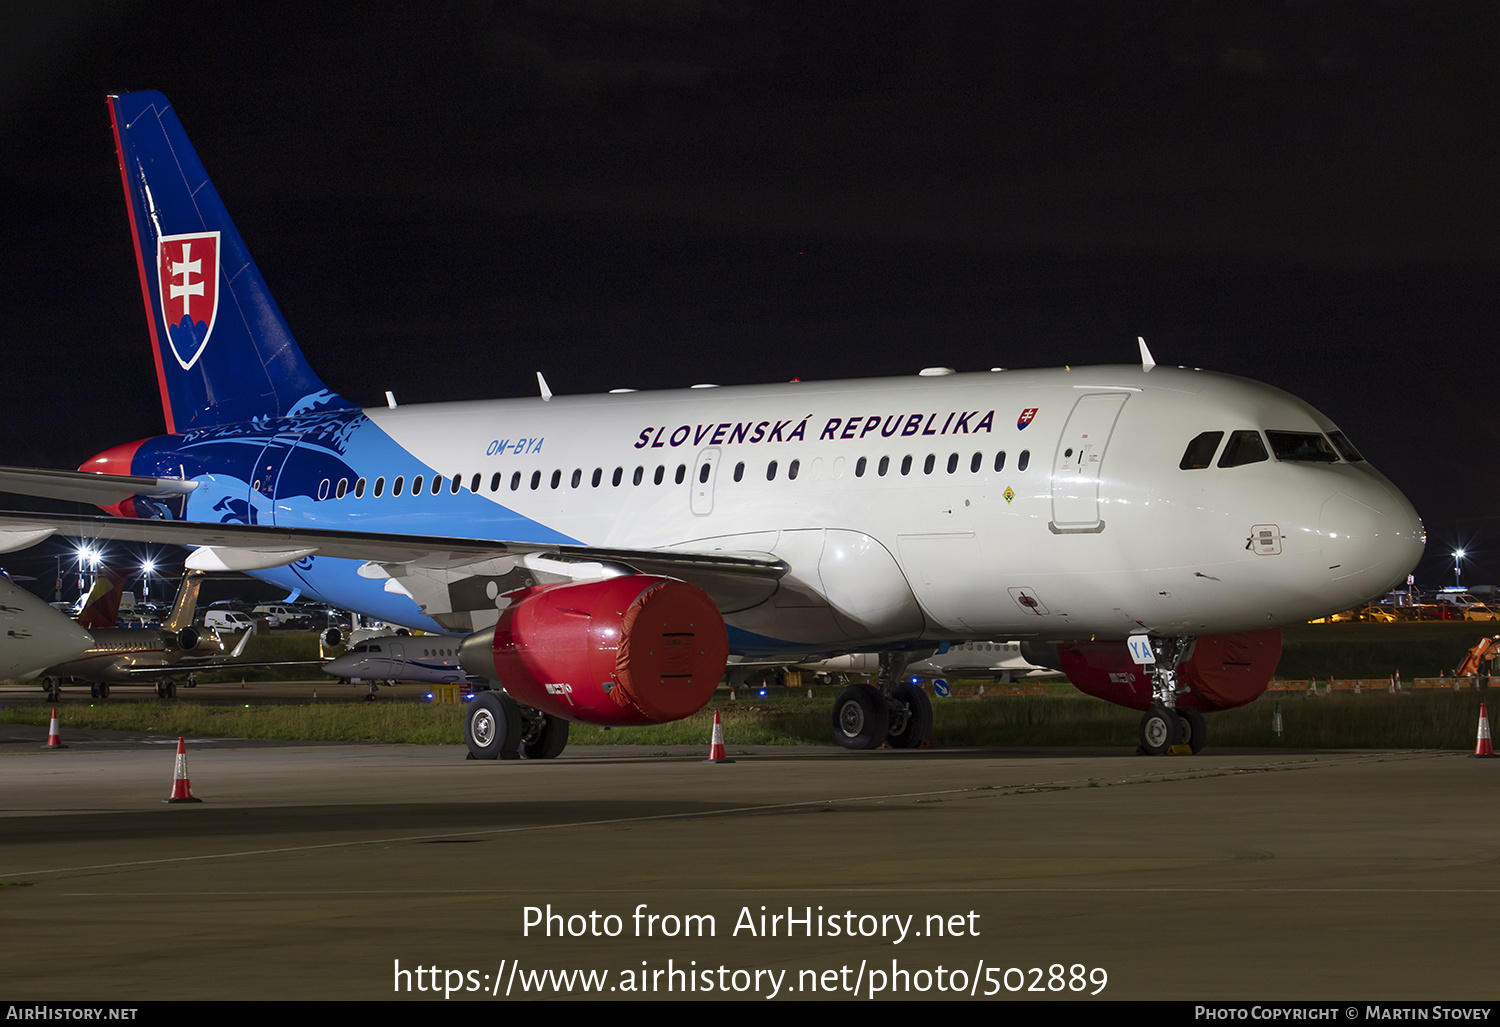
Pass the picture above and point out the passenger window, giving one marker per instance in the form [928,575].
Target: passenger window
[1200,452]
[1023,459]
[976,463]
[859,468]
[639,473]
[416,486]
[771,471]
[906,465]
[927,464]
[1000,460]
[379,486]
[536,480]
[597,478]
[474,484]
[515,482]
[343,488]
[791,470]
[359,489]
[660,470]
[703,472]
[681,473]
[739,471]
[495,482]
[557,477]
[577,477]
[619,476]
[458,484]
[1244,447]
[885,465]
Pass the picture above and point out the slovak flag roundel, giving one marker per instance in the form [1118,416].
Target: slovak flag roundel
[1026,417]
[188,273]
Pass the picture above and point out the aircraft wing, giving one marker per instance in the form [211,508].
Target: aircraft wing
[735,580]
[87,487]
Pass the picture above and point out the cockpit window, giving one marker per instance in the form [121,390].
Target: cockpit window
[1200,452]
[1345,447]
[1304,446]
[1244,447]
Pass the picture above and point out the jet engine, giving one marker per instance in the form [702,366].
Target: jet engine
[1222,672]
[635,649]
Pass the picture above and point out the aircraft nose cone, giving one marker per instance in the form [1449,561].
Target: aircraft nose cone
[1372,538]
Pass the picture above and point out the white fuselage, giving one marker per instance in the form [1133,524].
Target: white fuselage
[1024,504]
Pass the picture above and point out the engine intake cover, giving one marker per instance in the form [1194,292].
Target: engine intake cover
[1225,671]
[636,649]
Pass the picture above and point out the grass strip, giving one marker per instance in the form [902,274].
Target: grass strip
[1423,720]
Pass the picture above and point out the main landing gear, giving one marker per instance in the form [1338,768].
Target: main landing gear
[1164,724]
[497,727]
[897,713]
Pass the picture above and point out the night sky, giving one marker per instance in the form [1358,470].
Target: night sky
[446,198]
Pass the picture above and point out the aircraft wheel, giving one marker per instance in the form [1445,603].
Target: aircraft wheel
[1159,729]
[93,691]
[104,691]
[544,739]
[492,728]
[918,717]
[192,681]
[860,718]
[161,690]
[53,688]
[1194,730]
[171,689]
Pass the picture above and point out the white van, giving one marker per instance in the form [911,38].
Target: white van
[228,620]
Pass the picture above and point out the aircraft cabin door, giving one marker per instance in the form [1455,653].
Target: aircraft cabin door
[702,482]
[1079,459]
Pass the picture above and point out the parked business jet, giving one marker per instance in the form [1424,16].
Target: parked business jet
[33,635]
[603,555]
[137,656]
[993,661]
[425,659]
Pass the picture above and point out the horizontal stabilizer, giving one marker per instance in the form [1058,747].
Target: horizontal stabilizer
[87,487]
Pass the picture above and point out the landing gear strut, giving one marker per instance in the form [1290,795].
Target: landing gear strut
[544,737]
[1164,725]
[897,713]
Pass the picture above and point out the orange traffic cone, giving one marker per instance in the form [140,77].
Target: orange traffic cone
[716,753]
[1482,747]
[54,740]
[182,789]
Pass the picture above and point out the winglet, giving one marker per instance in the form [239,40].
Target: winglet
[542,384]
[1147,360]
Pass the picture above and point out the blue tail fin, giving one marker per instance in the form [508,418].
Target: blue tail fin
[223,352]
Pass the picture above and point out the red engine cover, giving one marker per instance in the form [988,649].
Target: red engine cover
[636,649]
[1225,671]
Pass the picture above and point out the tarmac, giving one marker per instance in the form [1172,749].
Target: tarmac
[377,871]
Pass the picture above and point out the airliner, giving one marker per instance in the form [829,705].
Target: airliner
[601,557]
